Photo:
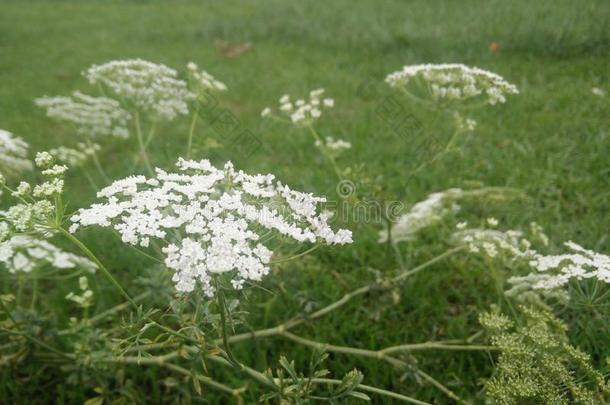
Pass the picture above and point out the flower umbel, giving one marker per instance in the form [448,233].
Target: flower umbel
[453,81]
[148,87]
[300,111]
[92,116]
[13,153]
[212,218]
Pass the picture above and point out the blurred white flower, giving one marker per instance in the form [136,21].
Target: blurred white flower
[145,86]
[92,116]
[201,81]
[26,253]
[335,145]
[599,92]
[74,157]
[13,154]
[423,214]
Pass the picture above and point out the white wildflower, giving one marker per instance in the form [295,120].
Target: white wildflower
[599,92]
[26,253]
[201,81]
[13,153]
[92,116]
[491,242]
[85,300]
[455,82]
[302,112]
[55,171]
[49,188]
[212,219]
[579,264]
[74,157]
[423,214]
[266,112]
[23,189]
[148,87]
[493,222]
[461,225]
[43,160]
[335,145]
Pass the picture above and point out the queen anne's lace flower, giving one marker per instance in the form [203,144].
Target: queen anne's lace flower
[13,153]
[455,82]
[26,253]
[423,214]
[149,87]
[74,157]
[213,218]
[580,264]
[92,116]
[201,81]
[491,242]
[336,145]
[300,111]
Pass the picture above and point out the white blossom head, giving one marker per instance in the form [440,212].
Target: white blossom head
[144,86]
[91,116]
[76,156]
[301,111]
[334,145]
[26,253]
[453,82]
[13,154]
[210,220]
[578,264]
[201,82]
[423,214]
[35,210]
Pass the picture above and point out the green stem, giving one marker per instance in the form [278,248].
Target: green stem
[325,151]
[368,388]
[96,162]
[140,137]
[192,131]
[223,325]
[99,264]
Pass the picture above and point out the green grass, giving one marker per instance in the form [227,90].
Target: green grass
[551,141]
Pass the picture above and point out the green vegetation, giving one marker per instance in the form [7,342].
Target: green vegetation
[551,142]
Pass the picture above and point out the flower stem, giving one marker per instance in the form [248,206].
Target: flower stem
[192,131]
[99,264]
[325,151]
[143,153]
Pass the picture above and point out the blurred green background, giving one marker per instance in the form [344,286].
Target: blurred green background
[552,141]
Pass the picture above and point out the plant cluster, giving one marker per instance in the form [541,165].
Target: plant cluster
[211,233]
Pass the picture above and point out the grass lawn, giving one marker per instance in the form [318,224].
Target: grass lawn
[552,141]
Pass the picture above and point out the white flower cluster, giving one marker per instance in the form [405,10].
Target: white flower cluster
[13,153]
[74,157]
[464,124]
[148,87]
[201,81]
[455,82]
[301,111]
[491,242]
[213,216]
[85,300]
[579,264]
[26,253]
[92,116]
[599,92]
[552,271]
[35,207]
[336,145]
[423,214]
